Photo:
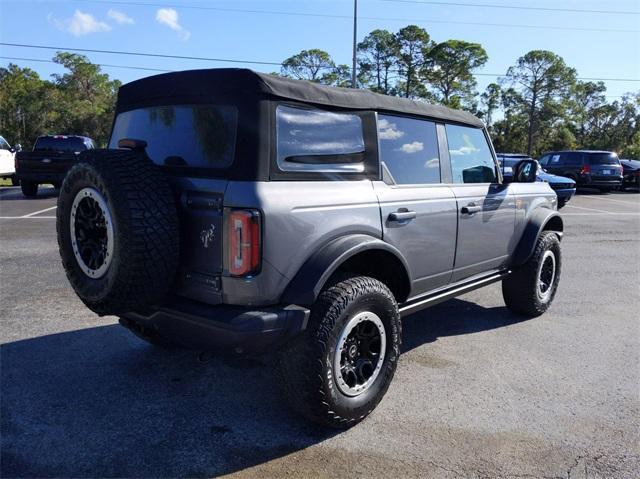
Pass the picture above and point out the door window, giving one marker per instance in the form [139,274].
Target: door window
[471,158]
[409,150]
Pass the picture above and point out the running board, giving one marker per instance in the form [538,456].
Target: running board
[432,299]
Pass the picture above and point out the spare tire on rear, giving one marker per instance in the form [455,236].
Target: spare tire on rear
[118,231]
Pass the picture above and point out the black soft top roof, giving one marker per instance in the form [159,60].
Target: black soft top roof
[193,84]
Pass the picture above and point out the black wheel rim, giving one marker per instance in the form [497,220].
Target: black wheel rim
[91,232]
[360,353]
[546,275]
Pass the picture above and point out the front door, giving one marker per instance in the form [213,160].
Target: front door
[418,212]
[486,209]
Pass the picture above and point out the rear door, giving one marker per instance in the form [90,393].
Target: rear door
[418,211]
[486,208]
[189,142]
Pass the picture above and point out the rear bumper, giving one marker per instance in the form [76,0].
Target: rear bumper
[222,327]
[42,177]
[600,181]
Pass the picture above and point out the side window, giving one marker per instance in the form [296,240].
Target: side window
[471,159]
[544,160]
[569,159]
[409,149]
[3,144]
[318,140]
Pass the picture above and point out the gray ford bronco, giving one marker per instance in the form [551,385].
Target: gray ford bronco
[245,212]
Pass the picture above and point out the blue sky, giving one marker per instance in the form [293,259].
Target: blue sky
[170,27]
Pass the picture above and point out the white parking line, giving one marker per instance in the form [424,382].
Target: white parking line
[27,217]
[611,199]
[38,212]
[588,209]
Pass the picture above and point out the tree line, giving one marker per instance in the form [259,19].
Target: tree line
[538,105]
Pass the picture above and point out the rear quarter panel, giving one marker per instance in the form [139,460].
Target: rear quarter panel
[298,218]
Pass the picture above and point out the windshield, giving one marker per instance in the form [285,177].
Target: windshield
[200,136]
[603,159]
[60,143]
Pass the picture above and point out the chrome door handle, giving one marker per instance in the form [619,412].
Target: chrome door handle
[402,216]
[470,209]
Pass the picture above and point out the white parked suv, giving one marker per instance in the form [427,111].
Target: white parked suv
[7,162]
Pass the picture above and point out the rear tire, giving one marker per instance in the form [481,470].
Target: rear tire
[29,188]
[530,289]
[338,370]
[118,233]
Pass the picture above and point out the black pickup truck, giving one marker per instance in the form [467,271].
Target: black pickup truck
[51,158]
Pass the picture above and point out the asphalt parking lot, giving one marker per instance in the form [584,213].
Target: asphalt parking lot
[478,392]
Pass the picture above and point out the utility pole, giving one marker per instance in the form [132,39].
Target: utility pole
[355,37]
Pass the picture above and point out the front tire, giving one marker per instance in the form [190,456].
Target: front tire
[29,188]
[530,289]
[338,370]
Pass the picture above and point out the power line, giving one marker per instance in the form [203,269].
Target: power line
[39,60]
[514,7]
[140,54]
[327,15]
[180,57]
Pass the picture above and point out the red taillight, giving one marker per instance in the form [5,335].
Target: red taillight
[586,169]
[243,242]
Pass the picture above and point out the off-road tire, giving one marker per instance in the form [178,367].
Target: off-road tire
[29,188]
[520,288]
[306,363]
[145,226]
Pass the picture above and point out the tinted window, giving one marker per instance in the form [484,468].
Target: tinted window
[566,158]
[409,149]
[471,159]
[544,160]
[199,136]
[317,140]
[603,159]
[60,143]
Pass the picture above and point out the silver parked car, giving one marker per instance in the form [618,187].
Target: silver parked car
[241,211]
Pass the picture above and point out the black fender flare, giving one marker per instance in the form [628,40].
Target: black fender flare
[540,220]
[306,285]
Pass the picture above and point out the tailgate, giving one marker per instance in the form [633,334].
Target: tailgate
[200,210]
[45,162]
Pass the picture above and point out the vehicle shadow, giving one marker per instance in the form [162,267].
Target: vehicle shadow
[14,193]
[98,402]
[453,318]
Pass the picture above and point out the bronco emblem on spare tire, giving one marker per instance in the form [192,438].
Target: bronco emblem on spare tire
[243,212]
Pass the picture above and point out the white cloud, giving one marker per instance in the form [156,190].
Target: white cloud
[169,17]
[414,147]
[464,150]
[119,17]
[388,130]
[80,24]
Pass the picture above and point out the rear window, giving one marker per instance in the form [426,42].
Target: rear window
[197,136]
[318,140]
[603,159]
[53,143]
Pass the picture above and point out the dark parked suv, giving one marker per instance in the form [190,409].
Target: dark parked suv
[595,169]
[241,211]
[51,158]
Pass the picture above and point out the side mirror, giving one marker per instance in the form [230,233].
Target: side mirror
[525,171]
[16,148]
